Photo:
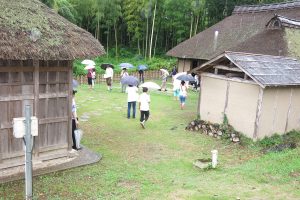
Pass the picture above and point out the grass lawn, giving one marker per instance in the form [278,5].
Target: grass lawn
[156,162]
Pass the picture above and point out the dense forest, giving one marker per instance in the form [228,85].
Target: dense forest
[147,27]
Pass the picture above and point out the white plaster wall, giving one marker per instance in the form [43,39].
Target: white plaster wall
[212,100]
[242,106]
[276,111]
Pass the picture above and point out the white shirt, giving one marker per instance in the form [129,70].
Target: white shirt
[132,94]
[144,101]
[109,72]
[74,109]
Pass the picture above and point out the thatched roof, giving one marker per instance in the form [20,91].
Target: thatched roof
[266,70]
[240,31]
[31,30]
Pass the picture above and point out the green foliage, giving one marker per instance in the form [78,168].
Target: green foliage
[271,141]
[126,57]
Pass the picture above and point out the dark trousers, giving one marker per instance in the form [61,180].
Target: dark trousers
[73,133]
[141,78]
[133,104]
[144,115]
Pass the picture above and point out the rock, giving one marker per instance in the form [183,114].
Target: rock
[210,134]
[202,163]
[232,135]
[215,135]
[199,126]
[203,127]
[196,128]
[220,133]
[235,139]
[193,123]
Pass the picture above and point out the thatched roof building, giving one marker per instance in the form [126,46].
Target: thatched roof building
[249,29]
[31,30]
[37,48]
[259,94]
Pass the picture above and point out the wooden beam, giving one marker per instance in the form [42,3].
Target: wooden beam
[36,79]
[258,112]
[289,111]
[17,98]
[226,97]
[234,69]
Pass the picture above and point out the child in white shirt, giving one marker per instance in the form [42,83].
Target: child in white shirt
[144,106]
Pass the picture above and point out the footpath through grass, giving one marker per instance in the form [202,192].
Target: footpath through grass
[156,162]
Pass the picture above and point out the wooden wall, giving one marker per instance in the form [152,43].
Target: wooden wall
[46,87]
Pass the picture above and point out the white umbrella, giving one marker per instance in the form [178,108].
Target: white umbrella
[150,85]
[88,62]
[89,67]
[164,71]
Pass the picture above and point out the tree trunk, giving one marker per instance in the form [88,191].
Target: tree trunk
[153,22]
[116,39]
[139,48]
[155,43]
[146,40]
[196,25]
[191,28]
[107,37]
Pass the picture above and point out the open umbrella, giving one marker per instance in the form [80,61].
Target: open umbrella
[88,62]
[142,67]
[164,71]
[186,77]
[179,74]
[89,67]
[150,85]
[130,80]
[105,65]
[126,65]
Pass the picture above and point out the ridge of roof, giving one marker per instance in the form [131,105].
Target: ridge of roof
[285,21]
[265,7]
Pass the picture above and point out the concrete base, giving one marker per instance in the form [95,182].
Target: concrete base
[80,158]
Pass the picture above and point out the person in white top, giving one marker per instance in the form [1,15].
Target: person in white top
[109,73]
[182,94]
[75,122]
[93,77]
[131,99]
[144,105]
[123,74]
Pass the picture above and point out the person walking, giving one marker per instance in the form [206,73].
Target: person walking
[182,94]
[144,106]
[124,73]
[132,97]
[109,73]
[164,77]
[75,122]
[93,77]
[141,76]
[176,88]
[89,78]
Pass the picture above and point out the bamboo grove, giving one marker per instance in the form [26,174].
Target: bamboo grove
[146,27]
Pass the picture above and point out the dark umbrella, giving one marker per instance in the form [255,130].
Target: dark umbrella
[186,77]
[130,80]
[142,67]
[105,65]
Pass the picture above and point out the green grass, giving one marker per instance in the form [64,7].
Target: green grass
[156,163]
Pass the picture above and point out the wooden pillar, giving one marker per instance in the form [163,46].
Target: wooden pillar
[36,80]
[289,111]
[258,112]
[69,109]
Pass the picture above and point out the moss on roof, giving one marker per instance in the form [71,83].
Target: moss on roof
[31,30]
